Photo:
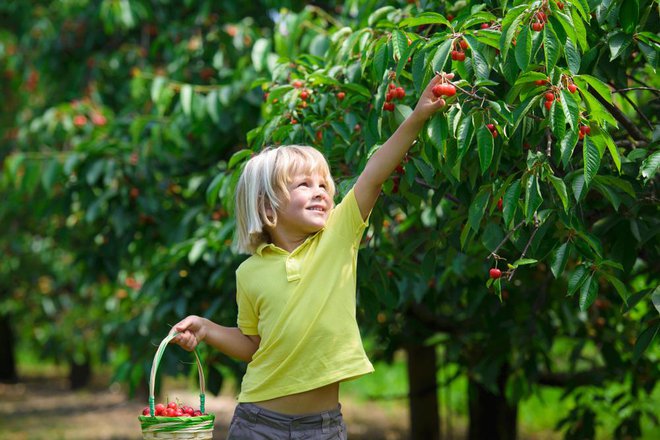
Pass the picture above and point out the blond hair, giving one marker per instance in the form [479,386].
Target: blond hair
[263,184]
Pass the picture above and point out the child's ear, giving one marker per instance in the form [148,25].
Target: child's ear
[270,212]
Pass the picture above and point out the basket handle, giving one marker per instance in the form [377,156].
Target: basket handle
[154,368]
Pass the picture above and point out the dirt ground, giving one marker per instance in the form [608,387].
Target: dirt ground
[43,408]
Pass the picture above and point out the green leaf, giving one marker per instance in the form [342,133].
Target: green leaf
[478,207]
[655,298]
[464,136]
[583,8]
[650,53]
[213,189]
[440,56]
[591,157]
[619,286]
[510,26]
[612,148]
[438,130]
[197,250]
[578,187]
[157,87]
[600,87]
[650,167]
[380,60]
[644,340]
[580,31]
[533,197]
[559,259]
[186,99]
[479,63]
[570,107]
[576,279]
[399,44]
[618,43]
[617,182]
[523,51]
[524,261]
[567,146]
[551,47]
[51,173]
[378,15]
[572,56]
[520,111]
[558,121]
[560,187]
[629,15]
[424,18]
[510,202]
[485,145]
[588,292]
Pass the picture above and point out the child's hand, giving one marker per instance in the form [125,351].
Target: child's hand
[192,330]
[428,103]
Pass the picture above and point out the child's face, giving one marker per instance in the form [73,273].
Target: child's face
[308,207]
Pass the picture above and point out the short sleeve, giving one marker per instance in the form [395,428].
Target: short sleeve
[346,218]
[248,318]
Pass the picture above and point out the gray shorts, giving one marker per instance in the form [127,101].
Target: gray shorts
[251,422]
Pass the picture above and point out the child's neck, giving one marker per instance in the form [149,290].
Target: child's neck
[288,242]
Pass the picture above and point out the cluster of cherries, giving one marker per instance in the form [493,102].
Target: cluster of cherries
[493,130]
[541,19]
[173,409]
[394,92]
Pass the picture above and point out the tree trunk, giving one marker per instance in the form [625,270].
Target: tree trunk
[80,374]
[422,380]
[491,416]
[7,357]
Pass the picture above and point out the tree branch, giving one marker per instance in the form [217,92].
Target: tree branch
[623,119]
[562,380]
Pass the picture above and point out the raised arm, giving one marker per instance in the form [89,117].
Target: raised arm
[385,160]
[229,340]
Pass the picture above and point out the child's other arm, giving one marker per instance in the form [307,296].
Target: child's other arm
[385,160]
[229,340]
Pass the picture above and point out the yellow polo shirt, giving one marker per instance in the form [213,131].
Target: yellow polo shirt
[302,305]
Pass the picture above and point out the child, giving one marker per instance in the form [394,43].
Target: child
[296,293]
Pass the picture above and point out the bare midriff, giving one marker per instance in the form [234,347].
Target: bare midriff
[317,400]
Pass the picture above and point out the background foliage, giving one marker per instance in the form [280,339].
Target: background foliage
[125,125]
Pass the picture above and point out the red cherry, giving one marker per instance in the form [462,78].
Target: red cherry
[172,405]
[580,135]
[145,411]
[539,82]
[485,25]
[341,96]
[541,16]
[463,44]
[170,412]
[537,27]
[304,95]
[494,133]
[454,55]
[549,96]
[437,90]
[460,56]
[560,5]
[587,130]
[197,413]
[392,86]
[389,96]
[297,84]
[499,204]
[548,104]
[400,92]
[491,127]
[79,120]
[447,89]
[495,273]
[159,409]
[572,87]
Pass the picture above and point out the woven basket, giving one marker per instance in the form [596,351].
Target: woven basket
[179,428]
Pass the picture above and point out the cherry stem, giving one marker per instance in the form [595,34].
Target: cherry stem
[504,240]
